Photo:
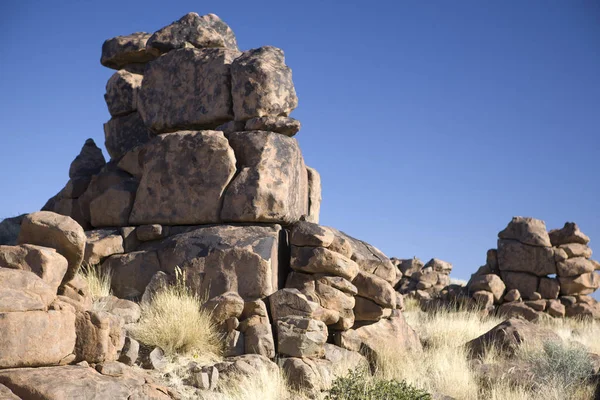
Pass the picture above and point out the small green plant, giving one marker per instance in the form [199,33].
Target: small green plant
[174,321]
[358,385]
[564,365]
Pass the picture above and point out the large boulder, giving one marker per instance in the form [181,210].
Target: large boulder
[48,229]
[520,310]
[574,266]
[187,89]
[527,230]
[24,291]
[100,336]
[375,288]
[301,337]
[113,207]
[576,250]
[509,335]
[124,133]
[122,92]
[322,260]
[261,84]
[440,266]
[131,272]
[43,261]
[581,284]
[490,283]
[223,258]
[305,233]
[101,244]
[271,184]
[309,375]
[569,233]
[121,51]
[525,283]
[80,382]
[36,338]
[185,175]
[9,230]
[518,257]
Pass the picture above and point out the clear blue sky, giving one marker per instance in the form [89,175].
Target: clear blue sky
[432,122]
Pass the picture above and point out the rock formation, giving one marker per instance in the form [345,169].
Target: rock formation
[205,176]
[422,281]
[535,271]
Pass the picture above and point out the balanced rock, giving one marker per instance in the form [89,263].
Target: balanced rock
[518,257]
[528,231]
[285,125]
[122,92]
[121,51]
[490,283]
[570,233]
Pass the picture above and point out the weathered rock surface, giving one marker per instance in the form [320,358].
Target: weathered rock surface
[261,84]
[526,230]
[203,160]
[121,51]
[375,288]
[525,283]
[224,306]
[574,266]
[113,207]
[491,283]
[131,272]
[549,288]
[129,311]
[9,230]
[576,250]
[582,284]
[88,162]
[42,261]
[570,233]
[518,309]
[271,184]
[48,229]
[322,260]
[122,92]
[24,291]
[100,244]
[285,125]
[124,133]
[187,89]
[100,336]
[517,257]
[305,233]
[301,337]
[314,196]
[509,335]
[36,338]
[225,258]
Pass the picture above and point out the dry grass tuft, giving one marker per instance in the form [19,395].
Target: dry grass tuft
[98,280]
[175,322]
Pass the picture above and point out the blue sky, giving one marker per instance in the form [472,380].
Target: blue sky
[432,122]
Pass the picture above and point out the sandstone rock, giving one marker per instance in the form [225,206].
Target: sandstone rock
[129,311]
[167,101]
[285,125]
[49,338]
[332,298]
[509,335]
[439,266]
[517,257]
[410,266]
[337,282]
[321,260]
[132,162]
[189,31]
[314,198]
[258,339]
[48,229]
[483,299]
[78,291]
[42,261]
[368,310]
[110,368]
[307,374]
[577,250]
[9,230]
[271,184]
[123,50]
[124,133]
[525,283]
[301,337]
[254,307]
[79,382]
[393,332]
[23,291]
[342,246]
[129,353]
[88,162]
[290,302]
[121,92]
[225,306]
[99,336]
[569,233]
[549,288]
[560,255]
[223,258]
[308,234]
[491,283]
[231,127]
[146,233]
[343,359]
[574,266]
[518,309]
[582,284]
[375,288]
[261,84]
[131,272]
[369,258]
[555,308]
[100,244]
[203,160]
[113,207]
[537,305]
[526,230]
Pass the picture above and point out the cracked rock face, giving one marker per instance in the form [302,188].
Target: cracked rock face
[187,89]
[125,133]
[185,175]
[262,84]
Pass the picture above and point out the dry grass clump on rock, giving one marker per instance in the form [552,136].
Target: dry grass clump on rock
[174,321]
[98,280]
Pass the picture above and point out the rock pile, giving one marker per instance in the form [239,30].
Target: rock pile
[535,271]
[422,281]
[205,176]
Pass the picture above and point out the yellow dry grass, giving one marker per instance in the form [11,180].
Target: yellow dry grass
[98,280]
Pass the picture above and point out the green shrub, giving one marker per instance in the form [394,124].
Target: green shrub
[566,366]
[358,385]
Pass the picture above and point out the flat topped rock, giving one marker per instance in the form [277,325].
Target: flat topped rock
[527,230]
[128,49]
[570,233]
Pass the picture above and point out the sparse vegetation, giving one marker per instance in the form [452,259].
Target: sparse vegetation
[174,321]
[98,280]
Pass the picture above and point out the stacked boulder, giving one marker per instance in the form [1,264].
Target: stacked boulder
[422,281]
[533,271]
[205,177]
